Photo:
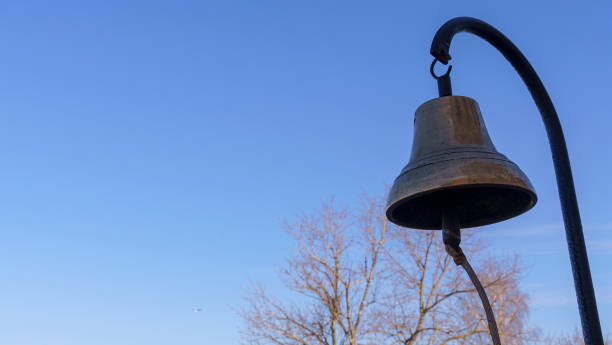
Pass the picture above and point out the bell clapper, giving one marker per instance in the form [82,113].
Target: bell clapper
[451,236]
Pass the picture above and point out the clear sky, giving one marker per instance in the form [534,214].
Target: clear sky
[150,149]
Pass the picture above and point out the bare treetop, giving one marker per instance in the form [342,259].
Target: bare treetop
[359,280]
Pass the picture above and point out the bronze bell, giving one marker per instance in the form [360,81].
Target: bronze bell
[455,167]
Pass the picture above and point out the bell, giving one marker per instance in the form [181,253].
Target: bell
[454,167]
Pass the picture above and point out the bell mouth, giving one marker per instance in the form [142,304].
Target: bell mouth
[475,205]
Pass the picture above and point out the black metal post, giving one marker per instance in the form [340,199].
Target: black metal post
[583,284]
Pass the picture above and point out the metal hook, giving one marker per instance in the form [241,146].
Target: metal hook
[433,74]
[444,82]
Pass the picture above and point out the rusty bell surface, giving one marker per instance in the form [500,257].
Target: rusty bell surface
[454,167]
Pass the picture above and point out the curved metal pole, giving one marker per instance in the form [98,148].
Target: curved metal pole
[583,284]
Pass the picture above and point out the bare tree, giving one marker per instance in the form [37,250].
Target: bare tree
[359,289]
[433,302]
[334,268]
[571,339]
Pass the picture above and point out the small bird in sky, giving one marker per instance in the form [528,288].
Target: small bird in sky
[196,309]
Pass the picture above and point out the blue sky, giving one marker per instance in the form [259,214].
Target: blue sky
[150,149]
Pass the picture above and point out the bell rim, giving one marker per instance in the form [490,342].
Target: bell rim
[391,206]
